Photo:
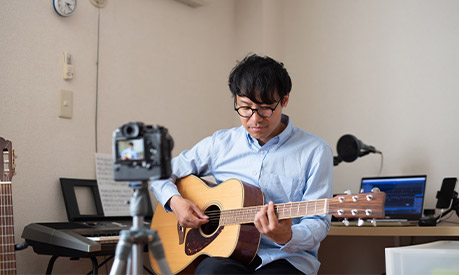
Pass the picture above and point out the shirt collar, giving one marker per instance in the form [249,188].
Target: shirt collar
[284,135]
[279,139]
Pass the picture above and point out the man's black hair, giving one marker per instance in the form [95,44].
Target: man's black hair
[258,78]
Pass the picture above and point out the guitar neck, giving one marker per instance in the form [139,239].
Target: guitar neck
[7,253]
[283,211]
[8,257]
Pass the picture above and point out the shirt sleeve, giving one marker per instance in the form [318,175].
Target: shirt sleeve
[195,161]
[310,231]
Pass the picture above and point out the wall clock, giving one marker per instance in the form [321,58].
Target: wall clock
[64,7]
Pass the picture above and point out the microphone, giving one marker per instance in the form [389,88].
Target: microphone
[350,148]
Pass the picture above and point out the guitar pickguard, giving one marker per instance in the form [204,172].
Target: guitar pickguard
[195,241]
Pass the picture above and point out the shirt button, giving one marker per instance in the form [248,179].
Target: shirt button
[254,173]
[262,152]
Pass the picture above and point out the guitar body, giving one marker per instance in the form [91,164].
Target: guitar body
[186,248]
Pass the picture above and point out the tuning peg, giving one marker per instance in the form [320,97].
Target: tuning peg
[375,190]
[360,222]
[362,190]
[346,222]
[347,192]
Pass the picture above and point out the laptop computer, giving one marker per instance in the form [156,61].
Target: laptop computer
[404,198]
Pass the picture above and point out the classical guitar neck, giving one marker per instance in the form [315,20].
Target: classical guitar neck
[7,253]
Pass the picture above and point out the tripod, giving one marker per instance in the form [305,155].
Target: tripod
[129,250]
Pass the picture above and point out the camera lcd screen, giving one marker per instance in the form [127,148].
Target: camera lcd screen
[132,149]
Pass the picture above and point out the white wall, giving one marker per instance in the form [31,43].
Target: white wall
[385,71]
[161,62]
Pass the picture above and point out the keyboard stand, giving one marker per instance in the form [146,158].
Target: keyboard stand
[57,251]
[95,265]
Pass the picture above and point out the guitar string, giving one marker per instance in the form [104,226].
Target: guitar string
[238,214]
[13,255]
[7,238]
[9,223]
[3,233]
[257,208]
[7,260]
[10,256]
[3,229]
[307,208]
[8,218]
[1,212]
[3,222]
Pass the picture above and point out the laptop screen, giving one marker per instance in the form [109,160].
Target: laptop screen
[404,195]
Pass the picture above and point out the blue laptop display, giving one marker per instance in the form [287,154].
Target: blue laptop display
[404,195]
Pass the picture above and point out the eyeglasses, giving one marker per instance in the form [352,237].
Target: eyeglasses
[262,111]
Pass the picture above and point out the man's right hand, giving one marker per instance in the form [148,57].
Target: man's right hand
[188,214]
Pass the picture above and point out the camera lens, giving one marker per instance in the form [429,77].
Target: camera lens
[131,130]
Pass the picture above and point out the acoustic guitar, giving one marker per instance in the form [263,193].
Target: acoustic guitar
[231,207]
[7,246]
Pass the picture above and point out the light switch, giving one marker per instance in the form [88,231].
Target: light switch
[65,104]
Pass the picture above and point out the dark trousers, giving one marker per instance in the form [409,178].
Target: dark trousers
[220,265]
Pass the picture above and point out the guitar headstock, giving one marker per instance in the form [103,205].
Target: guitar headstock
[355,206]
[6,160]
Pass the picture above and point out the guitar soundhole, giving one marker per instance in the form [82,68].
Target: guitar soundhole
[213,212]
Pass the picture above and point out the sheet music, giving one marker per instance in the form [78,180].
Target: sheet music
[113,194]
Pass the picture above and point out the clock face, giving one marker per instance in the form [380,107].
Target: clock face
[64,7]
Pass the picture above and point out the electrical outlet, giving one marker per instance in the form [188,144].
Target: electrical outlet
[67,72]
[65,104]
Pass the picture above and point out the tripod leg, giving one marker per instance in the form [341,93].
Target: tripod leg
[137,253]
[123,251]
[157,250]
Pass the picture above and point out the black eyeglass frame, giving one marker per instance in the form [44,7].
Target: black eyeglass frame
[256,109]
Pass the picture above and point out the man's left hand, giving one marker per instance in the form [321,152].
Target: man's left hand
[269,225]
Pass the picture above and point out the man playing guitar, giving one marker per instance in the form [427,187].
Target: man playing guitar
[266,151]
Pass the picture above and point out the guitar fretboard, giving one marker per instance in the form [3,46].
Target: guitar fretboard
[283,211]
[7,253]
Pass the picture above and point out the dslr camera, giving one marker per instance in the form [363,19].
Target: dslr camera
[141,152]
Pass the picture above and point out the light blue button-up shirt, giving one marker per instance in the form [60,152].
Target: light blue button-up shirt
[293,166]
